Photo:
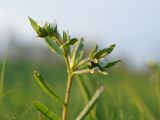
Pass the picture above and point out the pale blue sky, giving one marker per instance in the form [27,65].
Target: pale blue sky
[134,25]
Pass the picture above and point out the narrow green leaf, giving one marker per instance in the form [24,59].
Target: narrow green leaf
[84,90]
[77,53]
[104,52]
[111,64]
[34,24]
[99,54]
[46,87]
[41,31]
[45,111]
[65,36]
[51,29]
[53,46]
[82,64]
[110,49]
[80,51]
[70,42]
[81,71]
[73,41]
[101,70]
[90,105]
[92,53]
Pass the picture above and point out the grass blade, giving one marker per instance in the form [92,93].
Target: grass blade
[91,103]
[45,111]
[5,94]
[2,74]
[136,99]
[84,90]
[86,94]
[46,87]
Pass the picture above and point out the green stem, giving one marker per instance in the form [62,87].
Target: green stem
[68,87]
[67,96]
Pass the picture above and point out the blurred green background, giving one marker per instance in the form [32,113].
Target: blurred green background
[129,94]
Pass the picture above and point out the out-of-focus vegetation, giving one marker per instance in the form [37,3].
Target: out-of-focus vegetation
[128,96]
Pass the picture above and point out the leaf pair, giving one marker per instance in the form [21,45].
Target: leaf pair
[102,53]
[39,106]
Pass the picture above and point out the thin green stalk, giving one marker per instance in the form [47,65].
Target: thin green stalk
[91,103]
[68,88]
[86,95]
[2,74]
[67,96]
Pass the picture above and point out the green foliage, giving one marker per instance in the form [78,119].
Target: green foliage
[72,51]
[90,104]
[93,52]
[41,31]
[104,52]
[46,87]
[109,65]
[117,102]
[45,111]
[77,54]
[70,42]
[53,46]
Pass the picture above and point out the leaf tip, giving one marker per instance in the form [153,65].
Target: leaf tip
[35,72]
[113,45]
